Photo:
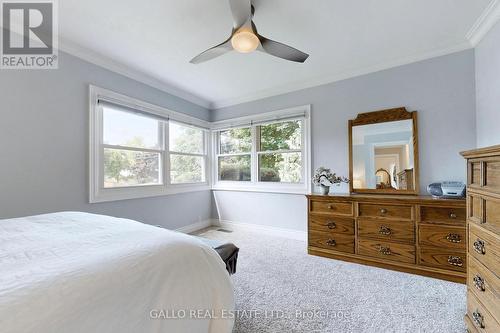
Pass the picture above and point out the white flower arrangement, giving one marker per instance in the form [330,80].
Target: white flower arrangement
[325,177]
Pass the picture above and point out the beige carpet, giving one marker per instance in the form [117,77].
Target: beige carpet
[280,288]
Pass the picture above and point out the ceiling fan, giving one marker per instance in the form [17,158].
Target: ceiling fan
[245,38]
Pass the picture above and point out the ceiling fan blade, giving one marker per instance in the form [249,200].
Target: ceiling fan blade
[281,50]
[213,52]
[242,12]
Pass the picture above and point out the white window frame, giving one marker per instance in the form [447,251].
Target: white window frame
[97,192]
[296,113]
[205,156]
[217,154]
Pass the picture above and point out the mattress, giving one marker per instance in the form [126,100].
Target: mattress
[79,272]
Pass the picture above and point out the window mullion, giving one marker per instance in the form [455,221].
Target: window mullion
[118,147]
[235,154]
[186,154]
[280,151]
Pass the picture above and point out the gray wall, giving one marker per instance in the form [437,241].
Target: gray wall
[441,89]
[488,88]
[44,145]
[286,211]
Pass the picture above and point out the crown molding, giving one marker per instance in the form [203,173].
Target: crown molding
[318,81]
[107,63]
[489,17]
[120,68]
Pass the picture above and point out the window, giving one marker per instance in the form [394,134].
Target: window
[280,152]
[132,149]
[140,150]
[235,147]
[271,153]
[187,154]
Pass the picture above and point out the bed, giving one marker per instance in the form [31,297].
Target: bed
[79,272]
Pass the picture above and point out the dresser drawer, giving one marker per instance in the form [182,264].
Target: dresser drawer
[387,250]
[331,241]
[443,258]
[485,247]
[387,211]
[482,320]
[492,175]
[333,207]
[484,211]
[440,215]
[474,174]
[391,230]
[485,285]
[340,225]
[492,214]
[442,236]
[475,208]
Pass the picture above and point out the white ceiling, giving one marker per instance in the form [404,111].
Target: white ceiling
[154,40]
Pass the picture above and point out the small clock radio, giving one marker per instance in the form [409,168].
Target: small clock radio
[449,189]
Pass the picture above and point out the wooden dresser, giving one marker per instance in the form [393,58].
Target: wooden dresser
[416,234]
[483,250]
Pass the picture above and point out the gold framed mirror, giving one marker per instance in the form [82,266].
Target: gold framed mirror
[383,152]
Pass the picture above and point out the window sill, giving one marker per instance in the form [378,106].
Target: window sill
[107,195]
[262,189]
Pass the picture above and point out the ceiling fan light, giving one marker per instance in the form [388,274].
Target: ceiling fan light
[245,41]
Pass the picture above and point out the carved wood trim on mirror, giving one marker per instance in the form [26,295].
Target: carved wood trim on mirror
[396,152]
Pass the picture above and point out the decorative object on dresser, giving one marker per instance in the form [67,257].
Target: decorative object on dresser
[416,234]
[383,152]
[449,189]
[324,178]
[483,250]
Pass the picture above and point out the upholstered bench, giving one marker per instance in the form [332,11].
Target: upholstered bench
[227,251]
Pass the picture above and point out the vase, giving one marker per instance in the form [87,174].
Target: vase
[325,189]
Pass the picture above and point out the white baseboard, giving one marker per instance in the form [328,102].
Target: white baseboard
[196,226]
[272,231]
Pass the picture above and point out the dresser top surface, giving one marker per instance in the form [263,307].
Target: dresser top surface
[382,197]
[482,152]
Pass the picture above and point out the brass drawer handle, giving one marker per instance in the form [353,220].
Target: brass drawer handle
[331,225]
[384,230]
[331,242]
[455,261]
[385,251]
[478,319]
[454,238]
[479,246]
[453,216]
[479,283]
[383,211]
[330,206]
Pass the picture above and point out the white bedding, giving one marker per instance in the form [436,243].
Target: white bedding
[76,272]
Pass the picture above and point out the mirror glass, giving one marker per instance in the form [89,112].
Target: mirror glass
[382,156]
